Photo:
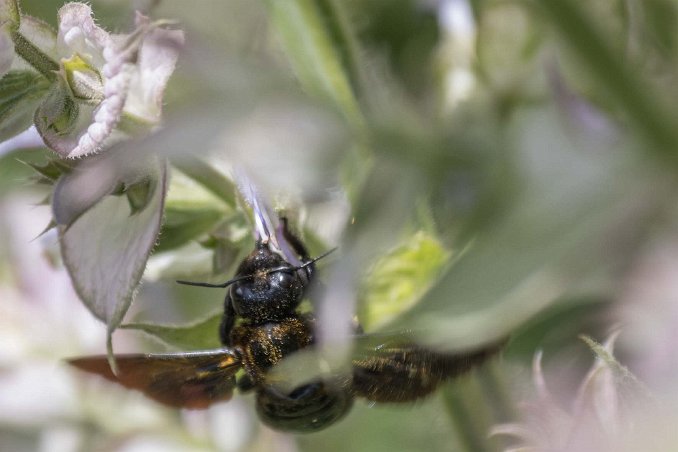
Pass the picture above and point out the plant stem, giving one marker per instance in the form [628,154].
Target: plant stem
[494,387]
[467,408]
[35,57]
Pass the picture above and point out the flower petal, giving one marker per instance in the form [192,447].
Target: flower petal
[79,34]
[157,58]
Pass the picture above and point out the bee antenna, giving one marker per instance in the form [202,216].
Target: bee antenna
[219,286]
[315,259]
[290,268]
[242,278]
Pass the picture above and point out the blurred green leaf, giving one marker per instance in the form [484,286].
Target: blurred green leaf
[20,94]
[649,111]
[200,335]
[558,325]
[405,33]
[398,279]
[550,238]
[318,43]
[207,176]
[387,428]
[181,226]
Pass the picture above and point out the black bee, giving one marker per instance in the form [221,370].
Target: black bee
[261,325]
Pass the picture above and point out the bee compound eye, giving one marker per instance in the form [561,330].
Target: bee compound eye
[239,291]
[284,280]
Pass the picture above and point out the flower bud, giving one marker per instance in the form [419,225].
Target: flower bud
[58,111]
[83,80]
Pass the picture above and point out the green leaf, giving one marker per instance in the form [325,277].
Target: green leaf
[558,325]
[201,335]
[184,225]
[400,278]
[105,248]
[52,170]
[20,94]
[551,238]
[207,176]
[318,44]
[195,203]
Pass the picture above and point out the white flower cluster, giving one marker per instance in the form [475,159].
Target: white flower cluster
[105,83]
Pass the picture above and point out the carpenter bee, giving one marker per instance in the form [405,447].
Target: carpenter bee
[260,326]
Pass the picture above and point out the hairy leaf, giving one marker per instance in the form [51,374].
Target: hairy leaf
[20,94]
[106,247]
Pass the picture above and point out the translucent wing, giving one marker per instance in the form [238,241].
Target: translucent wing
[396,371]
[184,380]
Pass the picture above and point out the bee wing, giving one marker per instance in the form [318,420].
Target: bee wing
[184,380]
[397,371]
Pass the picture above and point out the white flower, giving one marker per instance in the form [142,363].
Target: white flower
[604,413]
[111,77]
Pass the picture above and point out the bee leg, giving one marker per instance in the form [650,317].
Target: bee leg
[227,322]
[245,383]
[299,248]
[294,241]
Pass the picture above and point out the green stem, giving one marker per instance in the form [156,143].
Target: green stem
[35,57]
[467,408]
[495,391]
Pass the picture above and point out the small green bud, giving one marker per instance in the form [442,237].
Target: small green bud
[58,112]
[83,80]
[140,194]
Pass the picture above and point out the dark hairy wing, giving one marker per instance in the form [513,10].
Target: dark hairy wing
[184,380]
[403,371]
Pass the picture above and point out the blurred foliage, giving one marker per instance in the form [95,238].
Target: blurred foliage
[477,190]
[399,278]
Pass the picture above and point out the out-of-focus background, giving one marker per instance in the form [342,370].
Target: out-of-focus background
[486,167]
